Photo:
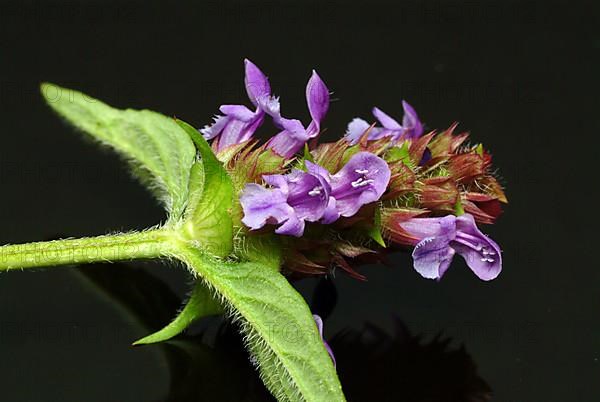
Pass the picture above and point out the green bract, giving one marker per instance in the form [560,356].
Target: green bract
[179,167]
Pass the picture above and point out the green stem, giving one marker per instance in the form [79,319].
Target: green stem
[125,246]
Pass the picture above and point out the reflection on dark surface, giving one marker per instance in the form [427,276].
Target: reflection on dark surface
[372,365]
[376,366]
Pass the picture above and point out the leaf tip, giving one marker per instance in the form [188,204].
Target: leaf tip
[49,90]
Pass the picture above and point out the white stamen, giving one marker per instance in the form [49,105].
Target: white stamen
[486,254]
[362,171]
[361,182]
[315,191]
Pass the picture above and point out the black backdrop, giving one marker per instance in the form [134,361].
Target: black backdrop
[518,75]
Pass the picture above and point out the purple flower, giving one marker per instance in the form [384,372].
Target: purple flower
[319,323]
[411,126]
[292,200]
[238,123]
[294,134]
[361,181]
[441,238]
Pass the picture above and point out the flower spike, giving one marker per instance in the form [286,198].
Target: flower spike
[381,187]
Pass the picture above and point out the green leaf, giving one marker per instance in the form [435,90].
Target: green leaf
[208,216]
[159,150]
[200,304]
[278,326]
[374,231]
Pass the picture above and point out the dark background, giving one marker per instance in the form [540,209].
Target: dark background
[521,76]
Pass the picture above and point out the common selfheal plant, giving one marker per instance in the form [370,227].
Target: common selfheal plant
[246,217]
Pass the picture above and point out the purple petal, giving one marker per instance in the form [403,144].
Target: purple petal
[296,198]
[271,106]
[410,122]
[277,180]
[291,227]
[295,128]
[362,180]
[237,131]
[262,206]
[319,323]
[331,213]
[422,228]
[460,234]
[378,132]
[284,144]
[317,98]
[308,195]
[290,140]
[432,256]
[219,123]
[238,112]
[433,253]
[356,129]
[257,84]
[480,252]
[315,169]
[385,120]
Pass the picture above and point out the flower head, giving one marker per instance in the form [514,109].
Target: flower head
[378,187]
[440,238]
[410,128]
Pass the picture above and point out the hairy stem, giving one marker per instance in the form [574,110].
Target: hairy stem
[125,246]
